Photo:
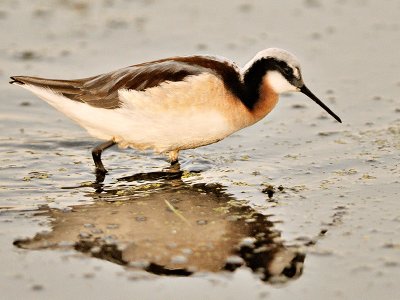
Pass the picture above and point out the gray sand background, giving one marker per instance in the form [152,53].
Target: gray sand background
[343,178]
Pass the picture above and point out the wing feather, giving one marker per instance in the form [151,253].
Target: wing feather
[102,90]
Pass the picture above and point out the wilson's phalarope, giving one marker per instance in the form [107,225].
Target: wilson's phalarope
[176,103]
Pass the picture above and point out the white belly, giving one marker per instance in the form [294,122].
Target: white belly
[162,132]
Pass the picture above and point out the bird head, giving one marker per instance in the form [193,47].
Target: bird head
[281,71]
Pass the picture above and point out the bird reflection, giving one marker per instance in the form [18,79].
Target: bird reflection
[168,227]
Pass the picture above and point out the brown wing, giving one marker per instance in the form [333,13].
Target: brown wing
[102,90]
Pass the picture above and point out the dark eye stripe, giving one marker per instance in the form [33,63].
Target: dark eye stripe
[286,71]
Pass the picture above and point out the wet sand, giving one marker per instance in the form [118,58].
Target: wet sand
[316,202]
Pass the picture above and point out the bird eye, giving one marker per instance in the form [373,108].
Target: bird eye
[287,69]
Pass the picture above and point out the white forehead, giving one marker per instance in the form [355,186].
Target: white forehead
[277,53]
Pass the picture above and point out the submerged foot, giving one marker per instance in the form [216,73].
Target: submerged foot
[174,167]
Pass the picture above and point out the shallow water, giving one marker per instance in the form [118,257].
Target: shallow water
[171,228]
[333,225]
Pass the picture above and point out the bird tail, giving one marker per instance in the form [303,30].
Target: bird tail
[15,80]
[43,82]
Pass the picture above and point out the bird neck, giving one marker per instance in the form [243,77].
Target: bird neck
[258,95]
[266,101]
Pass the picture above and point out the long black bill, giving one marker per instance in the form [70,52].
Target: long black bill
[307,92]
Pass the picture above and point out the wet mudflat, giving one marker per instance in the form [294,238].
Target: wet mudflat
[295,206]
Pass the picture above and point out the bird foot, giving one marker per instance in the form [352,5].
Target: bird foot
[175,167]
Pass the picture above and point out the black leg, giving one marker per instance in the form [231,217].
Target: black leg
[174,162]
[96,153]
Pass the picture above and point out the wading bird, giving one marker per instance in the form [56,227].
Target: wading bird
[175,103]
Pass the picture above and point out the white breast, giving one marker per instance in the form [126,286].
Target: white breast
[172,116]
